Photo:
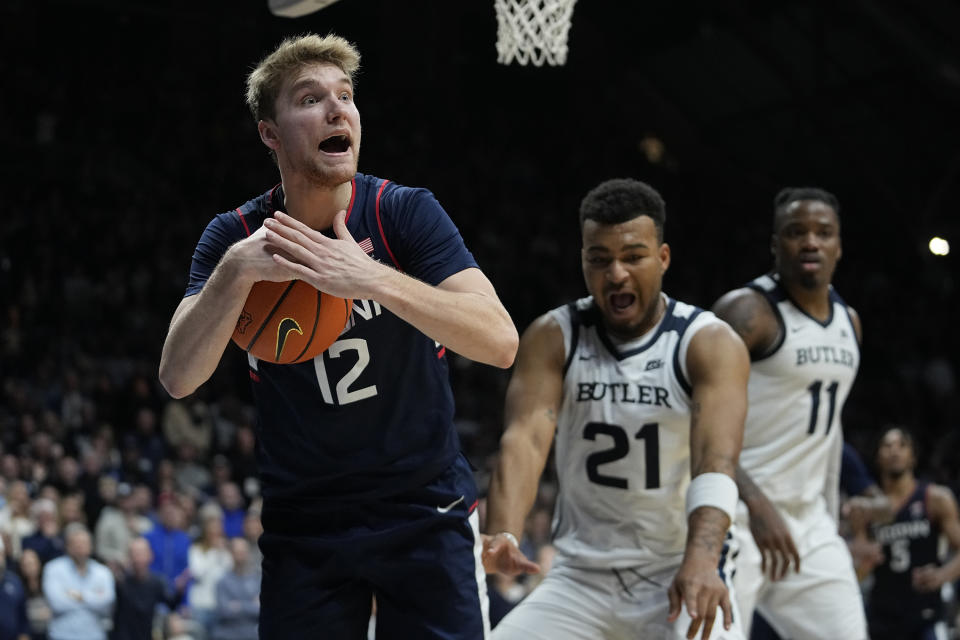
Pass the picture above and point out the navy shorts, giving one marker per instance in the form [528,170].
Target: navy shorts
[418,553]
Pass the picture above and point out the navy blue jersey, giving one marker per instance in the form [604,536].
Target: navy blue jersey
[910,541]
[373,415]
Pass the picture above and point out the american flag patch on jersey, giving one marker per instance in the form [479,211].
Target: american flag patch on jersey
[366,245]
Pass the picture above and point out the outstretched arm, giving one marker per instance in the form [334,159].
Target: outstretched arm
[718,367]
[463,312]
[532,405]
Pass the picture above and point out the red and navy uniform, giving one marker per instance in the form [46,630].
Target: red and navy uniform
[357,448]
[896,609]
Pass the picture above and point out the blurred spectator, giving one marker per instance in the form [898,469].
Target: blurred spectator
[19,524]
[170,544]
[140,593]
[67,479]
[177,628]
[252,530]
[188,504]
[80,590]
[209,560]
[13,604]
[188,421]
[238,597]
[99,488]
[243,461]
[71,510]
[222,470]
[117,526]
[10,468]
[189,474]
[149,443]
[39,613]
[165,483]
[234,511]
[46,539]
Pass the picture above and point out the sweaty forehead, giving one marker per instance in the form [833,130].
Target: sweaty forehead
[613,237]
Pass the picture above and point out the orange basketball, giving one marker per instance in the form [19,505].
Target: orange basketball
[287,322]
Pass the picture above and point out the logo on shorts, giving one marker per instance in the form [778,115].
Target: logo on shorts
[451,505]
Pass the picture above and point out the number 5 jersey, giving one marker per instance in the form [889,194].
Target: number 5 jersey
[623,439]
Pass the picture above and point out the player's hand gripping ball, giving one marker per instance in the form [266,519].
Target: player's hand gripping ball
[288,322]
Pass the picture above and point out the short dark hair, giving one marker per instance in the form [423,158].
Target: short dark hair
[622,199]
[908,438]
[790,195]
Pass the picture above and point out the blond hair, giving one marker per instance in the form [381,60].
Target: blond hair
[265,81]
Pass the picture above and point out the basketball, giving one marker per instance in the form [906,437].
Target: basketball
[288,322]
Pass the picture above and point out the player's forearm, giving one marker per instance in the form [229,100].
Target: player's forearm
[514,485]
[201,329]
[706,532]
[750,493]
[473,324]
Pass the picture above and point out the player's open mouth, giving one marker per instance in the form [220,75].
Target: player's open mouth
[810,264]
[336,144]
[621,301]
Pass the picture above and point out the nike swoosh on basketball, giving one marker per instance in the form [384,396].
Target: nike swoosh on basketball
[451,505]
[283,330]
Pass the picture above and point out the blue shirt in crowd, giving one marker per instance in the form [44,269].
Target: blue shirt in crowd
[170,547]
[80,601]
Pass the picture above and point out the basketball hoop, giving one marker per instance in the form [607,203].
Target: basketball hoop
[533,31]
[296,8]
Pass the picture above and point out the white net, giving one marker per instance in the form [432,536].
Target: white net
[533,31]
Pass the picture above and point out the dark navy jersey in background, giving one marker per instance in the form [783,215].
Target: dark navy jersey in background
[373,415]
[896,609]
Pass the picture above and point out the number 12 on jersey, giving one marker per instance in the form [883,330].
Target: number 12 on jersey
[345,395]
[621,447]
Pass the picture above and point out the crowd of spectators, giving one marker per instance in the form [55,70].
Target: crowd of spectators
[100,468]
[123,545]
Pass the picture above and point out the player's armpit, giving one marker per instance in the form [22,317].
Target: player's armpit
[750,315]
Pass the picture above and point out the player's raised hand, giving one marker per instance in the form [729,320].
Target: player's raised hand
[337,266]
[698,587]
[773,538]
[501,555]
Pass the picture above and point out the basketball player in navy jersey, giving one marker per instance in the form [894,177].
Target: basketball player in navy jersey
[365,491]
[905,601]
[804,346]
[645,398]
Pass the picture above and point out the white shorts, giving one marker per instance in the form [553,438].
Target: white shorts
[589,604]
[821,601]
